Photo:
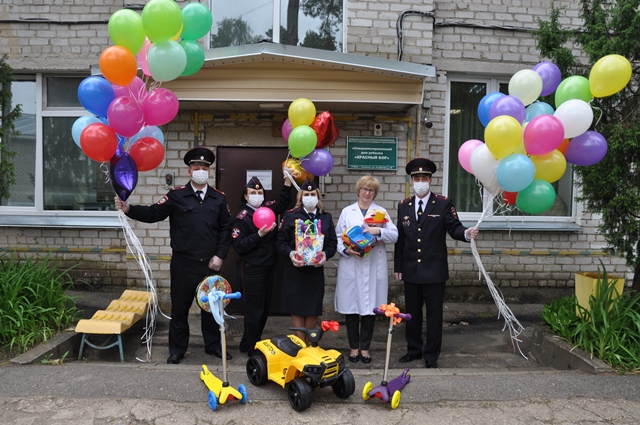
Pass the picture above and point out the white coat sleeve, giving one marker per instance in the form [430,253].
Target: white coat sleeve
[389,233]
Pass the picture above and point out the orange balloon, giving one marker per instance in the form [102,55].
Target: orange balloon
[298,173]
[118,65]
[563,146]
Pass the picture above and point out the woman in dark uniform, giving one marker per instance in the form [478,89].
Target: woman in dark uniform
[257,253]
[303,286]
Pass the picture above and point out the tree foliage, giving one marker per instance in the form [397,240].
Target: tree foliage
[8,116]
[233,32]
[612,186]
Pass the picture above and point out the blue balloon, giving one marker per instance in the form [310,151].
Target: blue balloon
[537,108]
[149,131]
[515,172]
[485,105]
[80,124]
[96,94]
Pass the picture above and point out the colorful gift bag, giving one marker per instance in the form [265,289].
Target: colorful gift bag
[309,241]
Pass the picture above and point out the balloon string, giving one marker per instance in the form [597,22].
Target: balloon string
[515,328]
[134,246]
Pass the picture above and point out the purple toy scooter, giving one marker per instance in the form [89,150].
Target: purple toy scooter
[388,391]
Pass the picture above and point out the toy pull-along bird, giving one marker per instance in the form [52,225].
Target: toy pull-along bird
[388,391]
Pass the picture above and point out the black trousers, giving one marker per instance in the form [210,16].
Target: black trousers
[416,295]
[360,330]
[186,275]
[257,288]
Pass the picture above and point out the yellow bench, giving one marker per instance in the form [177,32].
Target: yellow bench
[117,318]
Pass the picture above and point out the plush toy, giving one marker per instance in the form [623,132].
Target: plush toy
[358,240]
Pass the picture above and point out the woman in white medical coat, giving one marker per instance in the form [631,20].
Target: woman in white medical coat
[362,281]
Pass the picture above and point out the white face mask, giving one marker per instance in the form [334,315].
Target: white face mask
[255,200]
[421,188]
[310,202]
[200,176]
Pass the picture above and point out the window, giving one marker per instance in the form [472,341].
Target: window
[463,124]
[52,172]
[309,23]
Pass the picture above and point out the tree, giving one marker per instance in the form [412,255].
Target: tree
[8,116]
[233,32]
[612,186]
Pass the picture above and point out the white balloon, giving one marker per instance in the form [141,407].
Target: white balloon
[484,166]
[576,116]
[526,85]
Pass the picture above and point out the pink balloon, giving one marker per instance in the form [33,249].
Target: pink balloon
[543,134]
[125,116]
[465,151]
[137,90]
[286,129]
[263,216]
[160,107]
[142,57]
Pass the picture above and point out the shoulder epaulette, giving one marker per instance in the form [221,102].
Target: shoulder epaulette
[242,214]
[291,210]
[405,200]
[178,187]
[266,204]
[219,191]
[441,197]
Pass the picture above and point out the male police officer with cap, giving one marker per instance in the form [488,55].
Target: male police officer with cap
[199,220]
[420,259]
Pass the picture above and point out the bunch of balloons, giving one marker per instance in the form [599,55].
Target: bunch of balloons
[527,143]
[308,136]
[126,110]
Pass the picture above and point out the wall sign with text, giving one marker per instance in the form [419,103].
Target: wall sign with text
[372,153]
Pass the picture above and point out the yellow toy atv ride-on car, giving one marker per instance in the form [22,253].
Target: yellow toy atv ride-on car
[286,359]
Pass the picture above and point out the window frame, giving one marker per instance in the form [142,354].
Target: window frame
[561,223]
[37,216]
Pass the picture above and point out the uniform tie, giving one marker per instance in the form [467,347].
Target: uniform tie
[199,193]
[312,216]
[419,208]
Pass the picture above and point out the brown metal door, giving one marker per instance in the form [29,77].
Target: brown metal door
[232,165]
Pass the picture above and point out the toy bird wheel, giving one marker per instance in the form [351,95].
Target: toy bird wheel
[209,283]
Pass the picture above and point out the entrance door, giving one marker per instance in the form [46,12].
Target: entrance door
[232,165]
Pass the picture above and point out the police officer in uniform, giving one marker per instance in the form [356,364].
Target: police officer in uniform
[199,220]
[420,259]
[257,253]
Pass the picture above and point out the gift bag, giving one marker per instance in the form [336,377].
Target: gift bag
[309,241]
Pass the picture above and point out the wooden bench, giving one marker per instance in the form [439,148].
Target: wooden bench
[117,318]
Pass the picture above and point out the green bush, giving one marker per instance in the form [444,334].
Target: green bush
[33,302]
[609,329]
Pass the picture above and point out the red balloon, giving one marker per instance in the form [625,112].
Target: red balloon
[147,153]
[509,197]
[99,142]
[263,216]
[325,129]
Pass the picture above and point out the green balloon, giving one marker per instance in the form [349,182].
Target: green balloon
[195,57]
[161,20]
[125,29]
[197,21]
[574,87]
[166,61]
[302,141]
[536,198]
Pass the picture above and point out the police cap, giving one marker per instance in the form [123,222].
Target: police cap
[308,185]
[199,156]
[420,166]
[254,183]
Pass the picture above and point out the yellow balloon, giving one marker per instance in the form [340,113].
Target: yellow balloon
[301,112]
[177,36]
[609,75]
[502,136]
[521,149]
[549,167]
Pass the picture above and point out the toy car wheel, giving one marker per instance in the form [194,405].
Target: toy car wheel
[257,369]
[213,400]
[243,392]
[365,391]
[299,392]
[395,399]
[345,385]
